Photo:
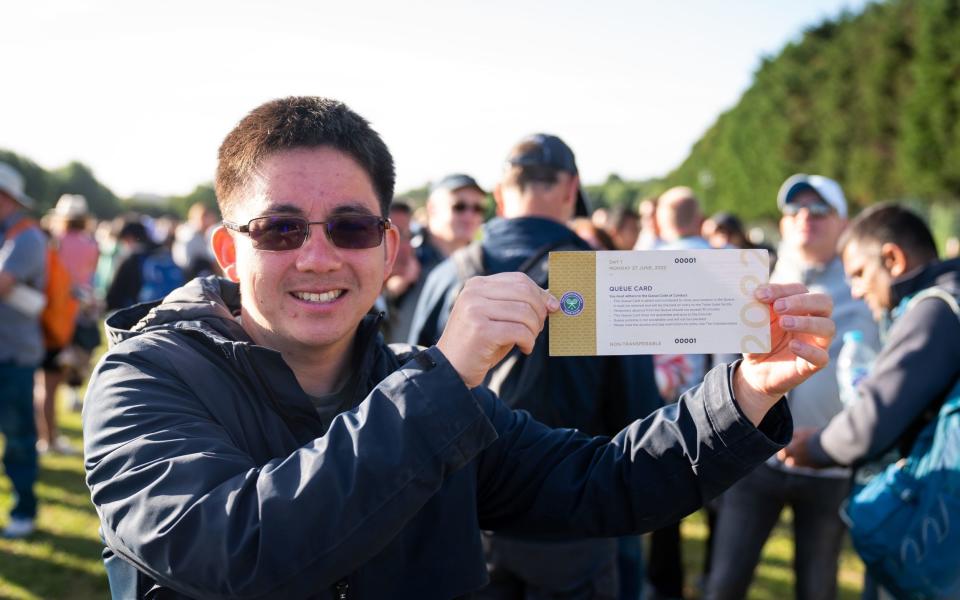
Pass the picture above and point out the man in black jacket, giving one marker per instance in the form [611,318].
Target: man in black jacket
[890,256]
[539,192]
[252,436]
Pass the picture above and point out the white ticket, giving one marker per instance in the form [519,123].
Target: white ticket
[659,302]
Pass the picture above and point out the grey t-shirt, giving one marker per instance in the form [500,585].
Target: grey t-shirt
[330,405]
[24,256]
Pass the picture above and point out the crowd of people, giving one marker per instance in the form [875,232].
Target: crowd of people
[371,412]
[59,275]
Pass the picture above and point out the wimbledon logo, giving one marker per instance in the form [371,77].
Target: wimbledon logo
[571,304]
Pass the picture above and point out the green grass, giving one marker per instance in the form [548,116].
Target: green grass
[62,560]
[773,579]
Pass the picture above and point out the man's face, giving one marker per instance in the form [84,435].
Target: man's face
[401,221]
[869,280]
[625,237]
[455,215]
[310,298]
[814,235]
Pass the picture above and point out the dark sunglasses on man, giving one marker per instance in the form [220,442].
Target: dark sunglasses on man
[817,209]
[461,207]
[277,233]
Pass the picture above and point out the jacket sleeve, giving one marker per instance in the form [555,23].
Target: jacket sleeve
[180,498]
[537,481]
[917,366]
[434,304]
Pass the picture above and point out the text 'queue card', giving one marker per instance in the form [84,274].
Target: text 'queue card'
[659,302]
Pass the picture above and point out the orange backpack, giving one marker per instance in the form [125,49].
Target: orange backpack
[59,316]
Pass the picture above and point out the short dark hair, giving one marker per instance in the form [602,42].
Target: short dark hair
[619,215]
[301,122]
[522,176]
[401,206]
[893,223]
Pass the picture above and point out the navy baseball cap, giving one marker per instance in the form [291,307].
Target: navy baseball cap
[456,181]
[545,150]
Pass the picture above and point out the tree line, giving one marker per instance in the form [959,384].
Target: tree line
[870,99]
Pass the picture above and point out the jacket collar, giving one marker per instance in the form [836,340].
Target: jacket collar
[945,273]
[207,308]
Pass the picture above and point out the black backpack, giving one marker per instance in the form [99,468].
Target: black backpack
[518,379]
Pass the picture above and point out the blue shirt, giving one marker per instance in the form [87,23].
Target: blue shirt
[24,257]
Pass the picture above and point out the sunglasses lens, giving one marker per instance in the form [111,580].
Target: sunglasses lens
[814,210]
[463,207]
[278,233]
[355,232]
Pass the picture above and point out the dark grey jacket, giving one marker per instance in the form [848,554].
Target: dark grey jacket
[213,475]
[919,363]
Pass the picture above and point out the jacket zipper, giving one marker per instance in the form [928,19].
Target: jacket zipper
[342,588]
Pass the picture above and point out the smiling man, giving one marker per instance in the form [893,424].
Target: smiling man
[252,436]
[814,215]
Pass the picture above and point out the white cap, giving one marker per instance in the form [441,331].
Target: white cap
[70,206]
[11,182]
[828,190]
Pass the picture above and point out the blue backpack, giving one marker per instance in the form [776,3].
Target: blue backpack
[160,276]
[905,523]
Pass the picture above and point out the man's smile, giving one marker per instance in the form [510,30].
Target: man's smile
[318,297]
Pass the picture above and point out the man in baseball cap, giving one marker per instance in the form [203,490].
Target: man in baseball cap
[543,156]
[538,194]
[828,191]
[23,265]
[814,212]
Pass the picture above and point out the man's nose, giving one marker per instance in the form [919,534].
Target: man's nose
[318,253]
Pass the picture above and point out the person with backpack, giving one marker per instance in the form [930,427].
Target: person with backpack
[539,193]
[146,270]
[891,260]
[23,275]
[76,254]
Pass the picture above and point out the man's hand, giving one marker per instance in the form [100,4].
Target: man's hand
[491,316]
[796,453]
[800,334]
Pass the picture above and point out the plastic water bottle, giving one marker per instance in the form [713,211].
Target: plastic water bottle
[853,364]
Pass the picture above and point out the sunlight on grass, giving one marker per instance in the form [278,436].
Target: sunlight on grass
[62,559]
[774,578]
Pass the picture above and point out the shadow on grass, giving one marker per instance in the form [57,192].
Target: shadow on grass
[44,579]
[68,479]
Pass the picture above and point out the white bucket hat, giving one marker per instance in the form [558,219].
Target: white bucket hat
[11,182]
[70,206]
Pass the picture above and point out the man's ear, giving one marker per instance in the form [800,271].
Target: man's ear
[225,250]
[894,259]
[391,245]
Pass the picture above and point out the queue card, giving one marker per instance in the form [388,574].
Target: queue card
[658,302]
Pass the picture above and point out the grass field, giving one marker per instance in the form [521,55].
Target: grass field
[62,560]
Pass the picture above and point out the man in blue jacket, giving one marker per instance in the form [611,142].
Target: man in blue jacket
[251,436]
[539,192]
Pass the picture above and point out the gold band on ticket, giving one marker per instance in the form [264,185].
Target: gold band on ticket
[658,302]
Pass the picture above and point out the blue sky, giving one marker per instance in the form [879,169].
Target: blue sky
[145,93]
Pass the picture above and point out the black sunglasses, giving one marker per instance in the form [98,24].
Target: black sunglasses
[460,207]
[279,233]
[818,209]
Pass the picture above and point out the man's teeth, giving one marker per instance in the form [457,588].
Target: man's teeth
[322,297]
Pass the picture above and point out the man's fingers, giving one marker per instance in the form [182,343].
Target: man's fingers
[770,292]
[506,334]
[804,304]
[815,355]
[820,327]
[513,287]
[484,312]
